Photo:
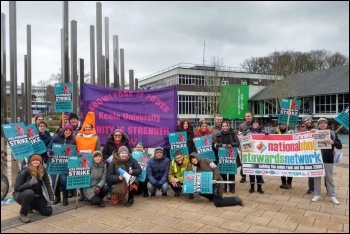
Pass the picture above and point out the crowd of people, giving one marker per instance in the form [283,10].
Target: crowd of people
[110,163]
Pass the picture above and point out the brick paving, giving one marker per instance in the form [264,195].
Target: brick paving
[278,210]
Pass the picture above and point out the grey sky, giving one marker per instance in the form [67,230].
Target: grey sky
[157,35]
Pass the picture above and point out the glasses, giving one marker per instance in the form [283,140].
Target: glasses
[178,158]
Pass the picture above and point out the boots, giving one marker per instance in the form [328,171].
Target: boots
[57,196]
[82,196]
[260,189]
[251,190]
[232,188]
[65,196]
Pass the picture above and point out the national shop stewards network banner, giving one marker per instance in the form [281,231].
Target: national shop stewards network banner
[144,115]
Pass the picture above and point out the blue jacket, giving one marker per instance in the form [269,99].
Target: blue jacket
[158,169]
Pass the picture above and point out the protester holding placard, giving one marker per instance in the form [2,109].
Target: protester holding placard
[242,129]
[157,173]
[203,130]
[63,137]
[38,119]
[328,162]
[116,139]
[63,121]
[226,138]
[28,190]
[286,181]
[255,128]
[98,188]
[186,126]
[142,184]
[120,187]
[178,166]
[206,164]
[74,121]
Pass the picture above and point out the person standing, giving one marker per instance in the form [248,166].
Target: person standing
[46,137]
[328,163]
[186,126]
[205,164]
[243,128]
[28,190]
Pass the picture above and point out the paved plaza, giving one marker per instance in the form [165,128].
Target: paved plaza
[278,210]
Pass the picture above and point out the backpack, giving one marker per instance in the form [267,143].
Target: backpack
[338,154]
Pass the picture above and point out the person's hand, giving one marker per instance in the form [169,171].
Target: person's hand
[330,141]
[50,153]
[130,170]
[214,181]
[224,145]
[49,203]
[156,184]
[97,190]
[228,146]
[121,177]
[33,181]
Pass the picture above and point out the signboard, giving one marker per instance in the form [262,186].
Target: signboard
[204,147]
[343,118]
[289,111]
[227,160]
[79,171]
[142,158]
[198,182]
[178,141]
[63,97]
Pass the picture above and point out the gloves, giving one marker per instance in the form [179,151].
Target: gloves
[97,190]
[33,181]
[49,203]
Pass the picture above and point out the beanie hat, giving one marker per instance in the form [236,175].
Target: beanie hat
[123,148]
[73,116]
[307,117]
[193,155]
[97,152]
[322,120]
[256,120]
[158,149]
[35,157]
[67,126]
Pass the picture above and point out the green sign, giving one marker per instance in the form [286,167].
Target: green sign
[234,101]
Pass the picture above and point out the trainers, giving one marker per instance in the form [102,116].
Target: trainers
[24,218]
[153,194]
[164,194]
[309,191]
[145,195]
[108,196]
[191,196]
[243,180]
[239,201]
[316,198]
[334,200]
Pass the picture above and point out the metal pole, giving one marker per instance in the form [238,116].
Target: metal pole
[92,55]
[13,61]
[131,79]
[122,83]
[74,64]
[21,107]
[3,80]
[136,84]
[28,91]
[81,76]
[107,51]
[65,74]
[116,61]
[100,80]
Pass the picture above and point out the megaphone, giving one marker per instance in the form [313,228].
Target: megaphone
[128,178]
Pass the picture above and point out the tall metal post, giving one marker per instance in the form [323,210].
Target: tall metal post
[65,55]
[3,80]
[107,51]
[74,64]
[100,78]
[81,83]
[92,55]
[116,61]
[21,107]
[28,85]
[136,84]
[24,93]
[13,61]
[122,75]
[131,79]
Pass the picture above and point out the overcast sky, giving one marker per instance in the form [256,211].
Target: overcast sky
[158,35]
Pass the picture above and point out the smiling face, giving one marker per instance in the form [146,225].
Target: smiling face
[97,158]
[123,154]
[139,147]
[88,127]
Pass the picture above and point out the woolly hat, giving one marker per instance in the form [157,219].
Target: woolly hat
[158,149]
[322,120]
[256,120]
[35,157]
[193,155]
[307,117]
[67,126]
[97,152]
[73,116]
[123,148]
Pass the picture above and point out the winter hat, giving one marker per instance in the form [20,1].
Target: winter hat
[97,152]
[35,157]
[256,120]
[322,120]
[73,116]
[193,155]
[67,126]
[123,148]
[158,149]
[307,117]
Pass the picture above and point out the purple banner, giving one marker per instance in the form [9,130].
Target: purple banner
[144,115]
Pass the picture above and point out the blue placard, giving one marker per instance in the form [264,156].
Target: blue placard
[198,182]
[142,158]
[34,138]
[204,147]
[17,138]
[59,161]
[227,160]
[178,141]
[79,171]
[289,108]
[63,97]
[343,118]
